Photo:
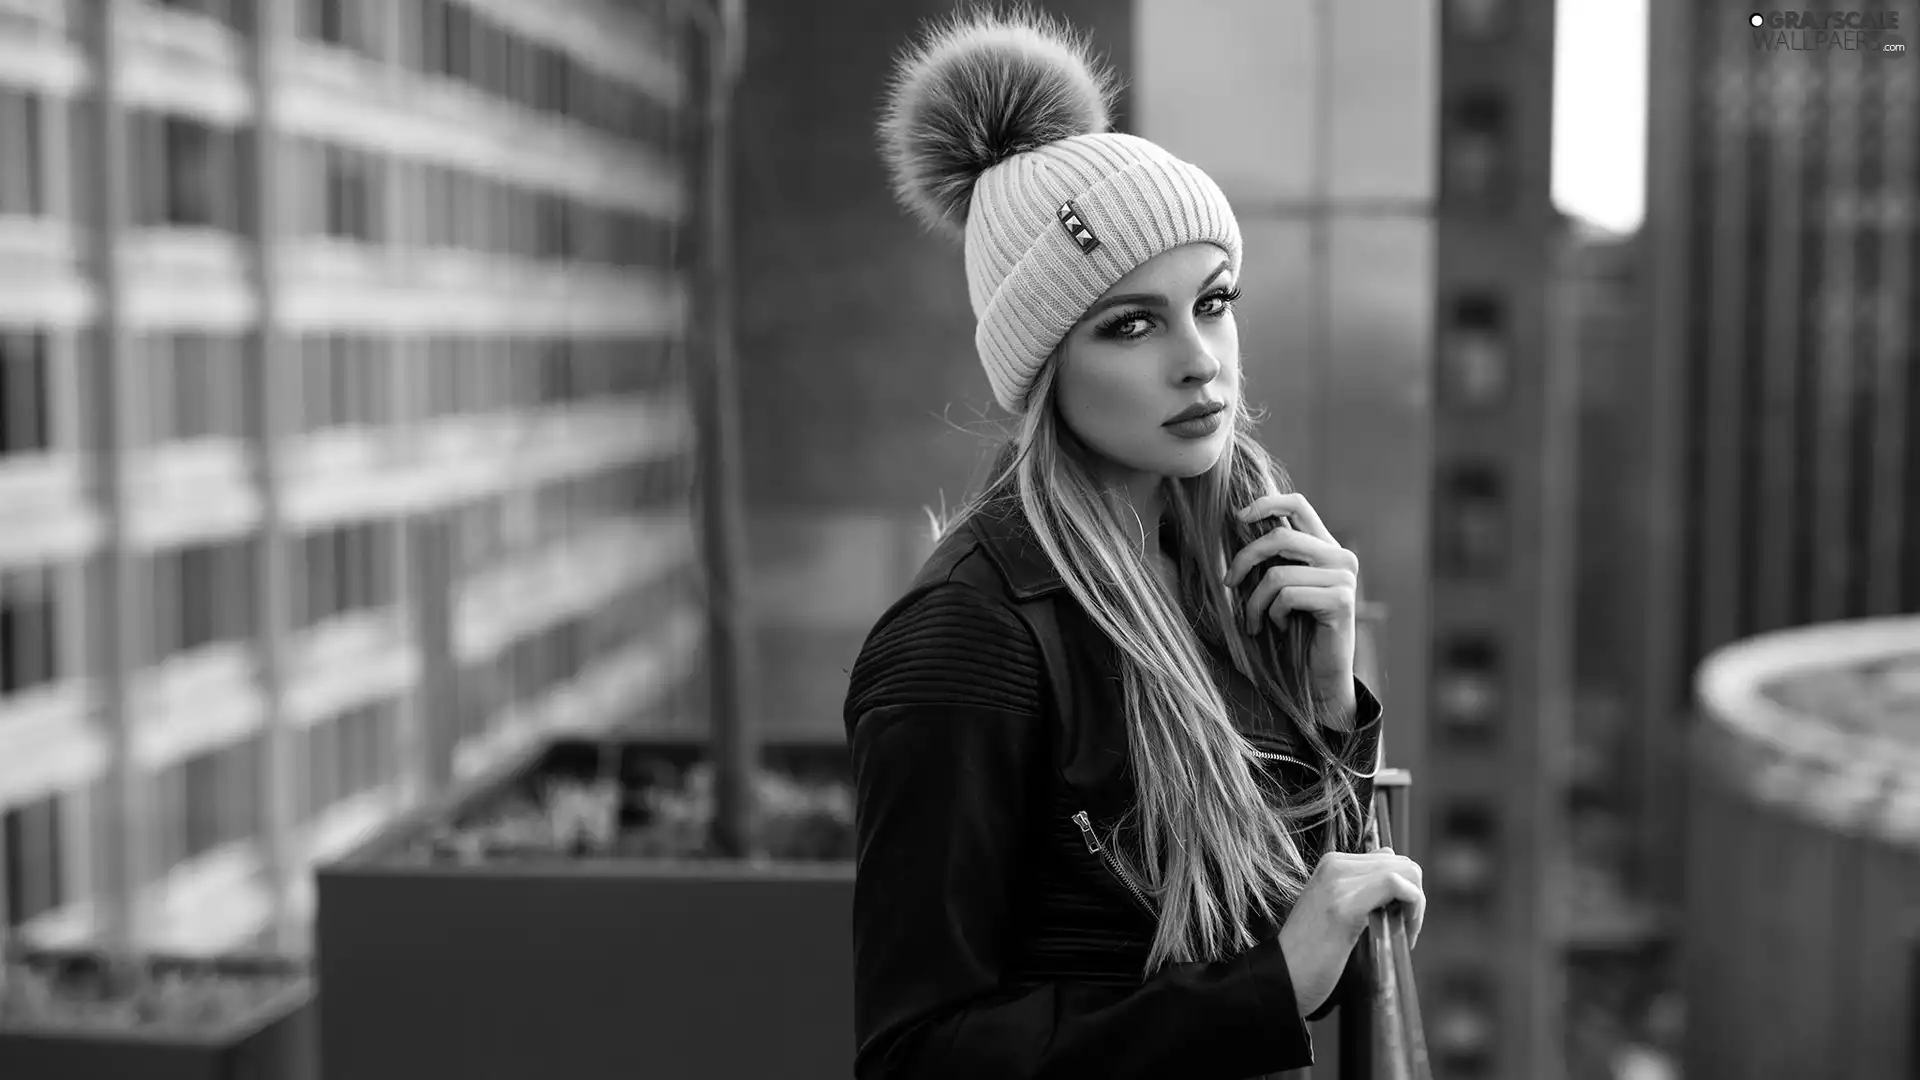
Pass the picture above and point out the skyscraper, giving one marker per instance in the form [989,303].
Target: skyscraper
[1494,775]
[303,302]
[1784,278]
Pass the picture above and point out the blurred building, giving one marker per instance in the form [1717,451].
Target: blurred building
[341,342]
[1620,930]
[1783,394]
[1503,474]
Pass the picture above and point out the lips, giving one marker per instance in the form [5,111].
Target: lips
[1195,412]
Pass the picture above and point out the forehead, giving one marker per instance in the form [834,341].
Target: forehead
[1177,269]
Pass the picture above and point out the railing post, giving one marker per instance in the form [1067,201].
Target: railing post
[1913,1008]
[1357,1025]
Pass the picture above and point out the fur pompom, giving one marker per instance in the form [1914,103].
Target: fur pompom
[978,89]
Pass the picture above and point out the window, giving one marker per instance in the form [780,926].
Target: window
[82,152]
[1461,1029]
[237,14]
[550,73]
[482,692]
[319,578]
[29,629]
[199,578]
[1475,360]
[1467,686]
[429,31]
[476,536]
[342,23]
[1478,20]
[1477,158]
[215,593]
[24,402]
[350,193]
[146,185]
[202,595]
[345,569]
[220,796]
[489,54]
[35,870]
[1464,857]
[344,380]
[440,211]
[458,36]
[316,383]
[205,379]
[363,746]
[1471,522]
[345,384]
[323,767]
[550,227]
[372,384]
[21,191]
[641,366]
[441,392]
[566,651]
[555,372]
[183,172]
[193,156]
[661,483]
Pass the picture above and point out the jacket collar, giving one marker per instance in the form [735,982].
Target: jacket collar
[1002,528]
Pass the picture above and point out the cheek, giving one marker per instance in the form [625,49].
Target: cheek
[1226,346]
[1107,400]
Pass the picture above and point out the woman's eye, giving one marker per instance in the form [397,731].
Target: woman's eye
[1134,325]
[1217,303]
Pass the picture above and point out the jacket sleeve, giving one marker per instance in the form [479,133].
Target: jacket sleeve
[950,754]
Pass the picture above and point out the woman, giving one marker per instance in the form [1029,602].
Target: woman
[1110,754]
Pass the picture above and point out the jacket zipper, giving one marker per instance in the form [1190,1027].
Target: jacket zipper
[1314,769]
[1113,865]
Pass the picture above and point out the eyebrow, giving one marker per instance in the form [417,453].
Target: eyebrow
[1150,299]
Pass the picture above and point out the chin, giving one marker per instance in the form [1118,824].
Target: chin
[1191,458]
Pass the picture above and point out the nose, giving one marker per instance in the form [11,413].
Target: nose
[1198,366]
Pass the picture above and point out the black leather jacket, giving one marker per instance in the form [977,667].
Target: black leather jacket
[992,941]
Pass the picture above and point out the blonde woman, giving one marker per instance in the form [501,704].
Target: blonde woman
[1112,762]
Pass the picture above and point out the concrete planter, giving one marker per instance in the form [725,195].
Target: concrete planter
[583,967]
[270,1037]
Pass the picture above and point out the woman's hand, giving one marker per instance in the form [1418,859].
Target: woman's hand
[1326,921]
[1325,586]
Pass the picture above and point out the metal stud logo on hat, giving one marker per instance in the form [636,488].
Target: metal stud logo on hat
[1076,227]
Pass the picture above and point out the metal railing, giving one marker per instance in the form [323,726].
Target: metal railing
[1381,1033]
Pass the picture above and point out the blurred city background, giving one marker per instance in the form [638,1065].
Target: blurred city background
[391,387]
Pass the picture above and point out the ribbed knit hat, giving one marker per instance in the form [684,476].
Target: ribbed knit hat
[996,128]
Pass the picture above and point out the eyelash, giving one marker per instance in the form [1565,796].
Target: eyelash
[1111,327]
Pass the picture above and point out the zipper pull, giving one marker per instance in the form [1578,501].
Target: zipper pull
[1086,830]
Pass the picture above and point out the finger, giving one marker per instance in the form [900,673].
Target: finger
[1415,899]
[1388,888]
[1383,860]
[1295,507]
[1280,578]
[1316,600]
[1309,549]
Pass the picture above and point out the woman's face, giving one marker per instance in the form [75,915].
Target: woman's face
[1161,341]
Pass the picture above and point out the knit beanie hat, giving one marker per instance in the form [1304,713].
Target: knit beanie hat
[996,128]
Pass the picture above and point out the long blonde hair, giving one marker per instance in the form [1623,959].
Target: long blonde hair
[1214,848]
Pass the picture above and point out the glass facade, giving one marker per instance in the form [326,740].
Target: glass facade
[376,265]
